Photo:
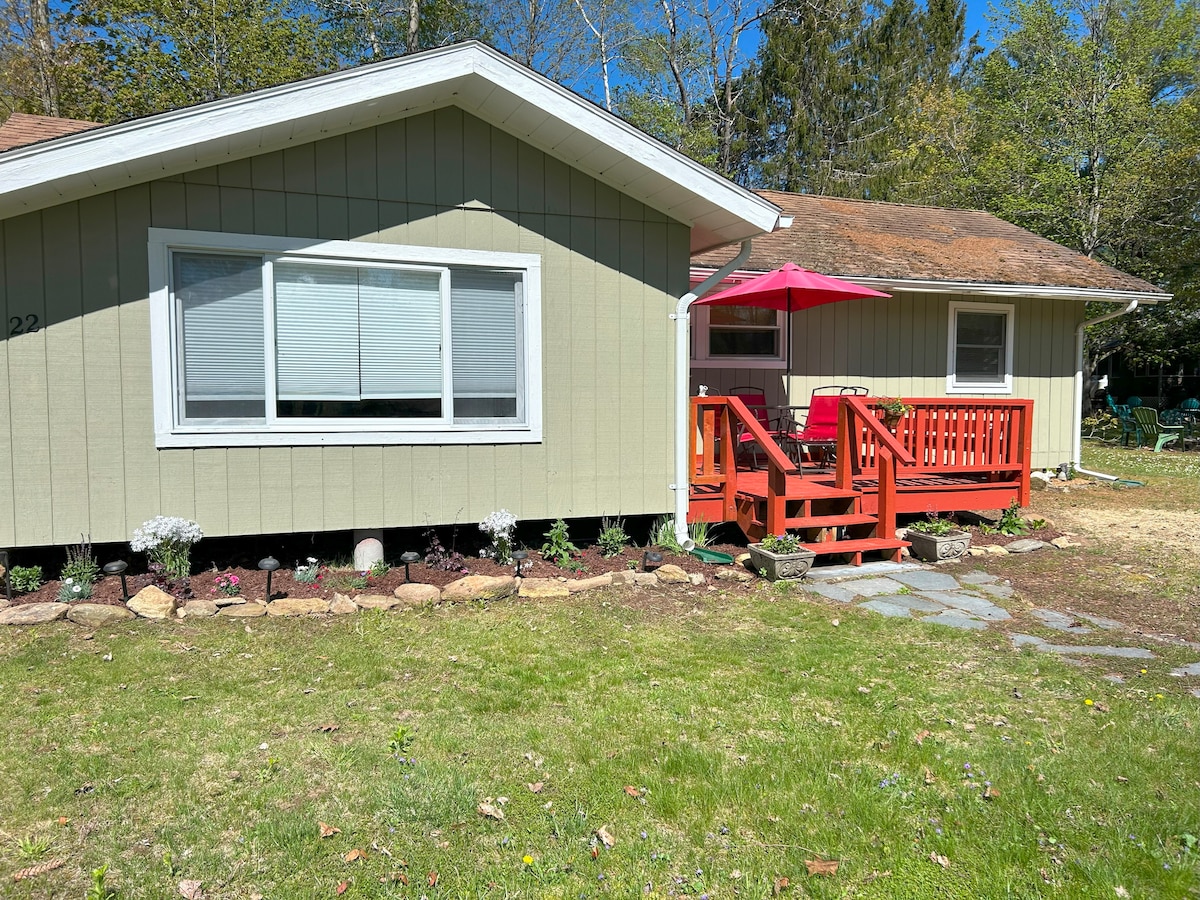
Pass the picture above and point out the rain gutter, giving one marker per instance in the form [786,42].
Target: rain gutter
[683,363]
[1077,437]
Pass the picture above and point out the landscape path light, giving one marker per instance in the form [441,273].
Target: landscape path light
[408,559]
[652,560]
[118,567]
[519,556]
[268,565]
[7,583]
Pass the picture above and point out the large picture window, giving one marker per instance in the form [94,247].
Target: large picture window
[980,351]
[271,341]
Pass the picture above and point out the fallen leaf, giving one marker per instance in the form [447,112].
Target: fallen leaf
[491,812]
[444,845]
[1120,891]
[605,838]
[356,854]
[432,878]
[535,787]
[779,885]
[821,866]
[1122,779]
[940,860]
[921,735]
[595,851]
[394,876]
[990,793]
[328,727]
[328,830]
[930,778]
[190,889]
[342,887]
[63,820]
[632,791]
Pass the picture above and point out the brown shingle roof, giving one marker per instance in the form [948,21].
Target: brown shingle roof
[867,238]
[21,129]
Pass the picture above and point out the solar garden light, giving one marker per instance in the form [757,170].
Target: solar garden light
[652,560]
[117,567]
[268,565]
[408,559]
[519,556]
[7,583]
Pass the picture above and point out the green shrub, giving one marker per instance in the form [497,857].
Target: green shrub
[1011,523]
[613,538]
[81,566]
[70,589]
[25,579]
[934,525]
[558,548]
[662,534]
[781,543]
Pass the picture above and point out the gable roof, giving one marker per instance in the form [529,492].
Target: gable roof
[932,249]
[471,75]
[20,129]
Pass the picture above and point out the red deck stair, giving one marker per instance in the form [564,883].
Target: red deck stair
[951,455]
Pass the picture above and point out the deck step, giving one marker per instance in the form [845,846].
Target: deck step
[824,521]
[858,546]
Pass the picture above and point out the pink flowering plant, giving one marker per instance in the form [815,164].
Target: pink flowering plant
[228,584]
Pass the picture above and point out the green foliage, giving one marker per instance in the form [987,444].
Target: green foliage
[81,566]
[1011,523]
[934,525]
[74,590]
[346,580]
[558,548]
[781,543]
[613,538]
[32,848]
[98,890]
[25,579]
[662,535]
[700,532]
[379,569]
[401,740]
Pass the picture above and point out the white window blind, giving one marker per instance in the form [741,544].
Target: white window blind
[981,352]
[400,333]
[483,315]
[221,306]
[316,332]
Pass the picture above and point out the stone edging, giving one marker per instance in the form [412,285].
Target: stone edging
[154,603]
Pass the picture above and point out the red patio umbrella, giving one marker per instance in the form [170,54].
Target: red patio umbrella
[788,289]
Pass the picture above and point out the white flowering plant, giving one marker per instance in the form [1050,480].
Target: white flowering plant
[309,573]
[70,589]
[499,526]
[167,541]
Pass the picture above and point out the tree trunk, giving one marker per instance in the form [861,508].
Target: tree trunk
[414,25]
[43,54]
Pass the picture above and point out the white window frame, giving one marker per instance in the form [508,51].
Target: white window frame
[164,332]
[700,346]
[956,386]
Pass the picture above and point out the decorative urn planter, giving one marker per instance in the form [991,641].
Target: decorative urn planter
[780,566]
[938,547]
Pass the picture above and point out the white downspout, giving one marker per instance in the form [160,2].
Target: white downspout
[683,378]
[1077,437]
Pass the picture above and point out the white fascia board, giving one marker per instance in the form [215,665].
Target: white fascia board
[170,143]
[970,288]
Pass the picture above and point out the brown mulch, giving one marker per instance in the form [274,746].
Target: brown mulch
[253,583]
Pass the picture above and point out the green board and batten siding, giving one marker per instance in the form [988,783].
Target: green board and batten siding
[898,348]
[78,454]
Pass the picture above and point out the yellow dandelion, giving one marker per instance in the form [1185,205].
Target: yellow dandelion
[527,859]
[1158,696]
[1088,703]
[1143,671]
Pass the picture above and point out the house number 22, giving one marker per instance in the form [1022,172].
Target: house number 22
[27,325]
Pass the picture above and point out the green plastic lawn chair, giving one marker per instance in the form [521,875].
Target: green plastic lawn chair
[1150,428]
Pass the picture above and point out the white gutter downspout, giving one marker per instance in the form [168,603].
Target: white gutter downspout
[683,362]
[1077,437]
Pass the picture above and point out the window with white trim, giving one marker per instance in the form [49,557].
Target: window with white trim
[261,341]
[981,348]
[741,336]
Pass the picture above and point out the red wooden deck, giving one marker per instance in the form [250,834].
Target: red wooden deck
[944,456]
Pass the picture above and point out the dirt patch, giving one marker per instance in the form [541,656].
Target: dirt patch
[1153,529]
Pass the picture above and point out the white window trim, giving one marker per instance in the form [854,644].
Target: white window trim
[700,344]
[169,433]
[953,385]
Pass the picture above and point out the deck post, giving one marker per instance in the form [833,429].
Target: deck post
[776,500]
[728,465]
[886,526]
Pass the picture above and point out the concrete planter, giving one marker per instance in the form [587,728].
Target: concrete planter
[938,547]
[780,566]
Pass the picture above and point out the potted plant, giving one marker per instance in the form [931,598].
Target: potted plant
[781,557]
[894,409]
[937,540]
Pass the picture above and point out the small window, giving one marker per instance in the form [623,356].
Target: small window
[981,337]
[260,341]
[744,336]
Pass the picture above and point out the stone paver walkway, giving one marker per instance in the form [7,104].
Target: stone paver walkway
[969,601]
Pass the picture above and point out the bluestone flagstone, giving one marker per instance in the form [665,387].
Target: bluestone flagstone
[915,602]
[956,619]
[1185,671]
[831,592]
[1052,618]
[1027,640]
[927,581]
[1002,591]
[878,567]
[1085,650]
[1101,622]
[977,606]
[978,578]
[873,587]
[887,609]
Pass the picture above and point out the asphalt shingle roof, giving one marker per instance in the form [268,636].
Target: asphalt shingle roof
[867,239]
[21,129]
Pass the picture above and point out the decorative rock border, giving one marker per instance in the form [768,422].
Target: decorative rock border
[153,603]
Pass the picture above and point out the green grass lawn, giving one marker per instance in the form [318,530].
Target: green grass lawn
[757,734]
